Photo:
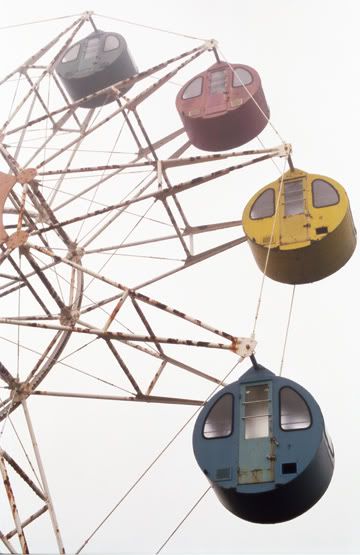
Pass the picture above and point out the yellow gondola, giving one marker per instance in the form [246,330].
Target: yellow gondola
[305,221]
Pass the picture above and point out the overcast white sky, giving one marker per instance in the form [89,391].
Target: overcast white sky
[307,56]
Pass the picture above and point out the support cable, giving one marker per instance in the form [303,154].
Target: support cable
[150,27]
[287,329]
[268,253]
[92,200]
[183,520]
[150,466]
[253,99]
[39,21]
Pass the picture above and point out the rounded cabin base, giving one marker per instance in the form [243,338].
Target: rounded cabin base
[231,129]
[223,107]
[312,263]
[273,506]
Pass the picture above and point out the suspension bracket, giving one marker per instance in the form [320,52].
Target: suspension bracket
[244,346]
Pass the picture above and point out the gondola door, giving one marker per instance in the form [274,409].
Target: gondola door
[256,447]
[90,53]
[217,91]
[294,224]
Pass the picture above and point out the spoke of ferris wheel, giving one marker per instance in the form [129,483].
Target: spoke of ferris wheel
[192,230]
[134,399]
[167,163]
[179,188]
[44,73]
[119,336]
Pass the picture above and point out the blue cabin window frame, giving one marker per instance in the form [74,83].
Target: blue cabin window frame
[305,403]
[315,194]
[231,420]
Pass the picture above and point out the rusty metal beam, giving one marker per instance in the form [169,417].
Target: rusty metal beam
[162,194]
[22,474]
[28,521]
[13,506]
[119,336]
[135,398]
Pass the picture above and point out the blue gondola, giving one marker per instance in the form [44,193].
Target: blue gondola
[262,443]
[94,63]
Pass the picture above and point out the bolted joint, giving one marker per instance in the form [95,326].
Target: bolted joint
[17,239]
[27,175]
[285,150]
[244,346]
[69,316]
[75,253]
[88,15]
[22,390]
[211,44]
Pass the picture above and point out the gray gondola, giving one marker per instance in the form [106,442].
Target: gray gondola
[262,443]
[94,63]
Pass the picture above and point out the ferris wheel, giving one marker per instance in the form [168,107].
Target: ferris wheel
[118,200]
